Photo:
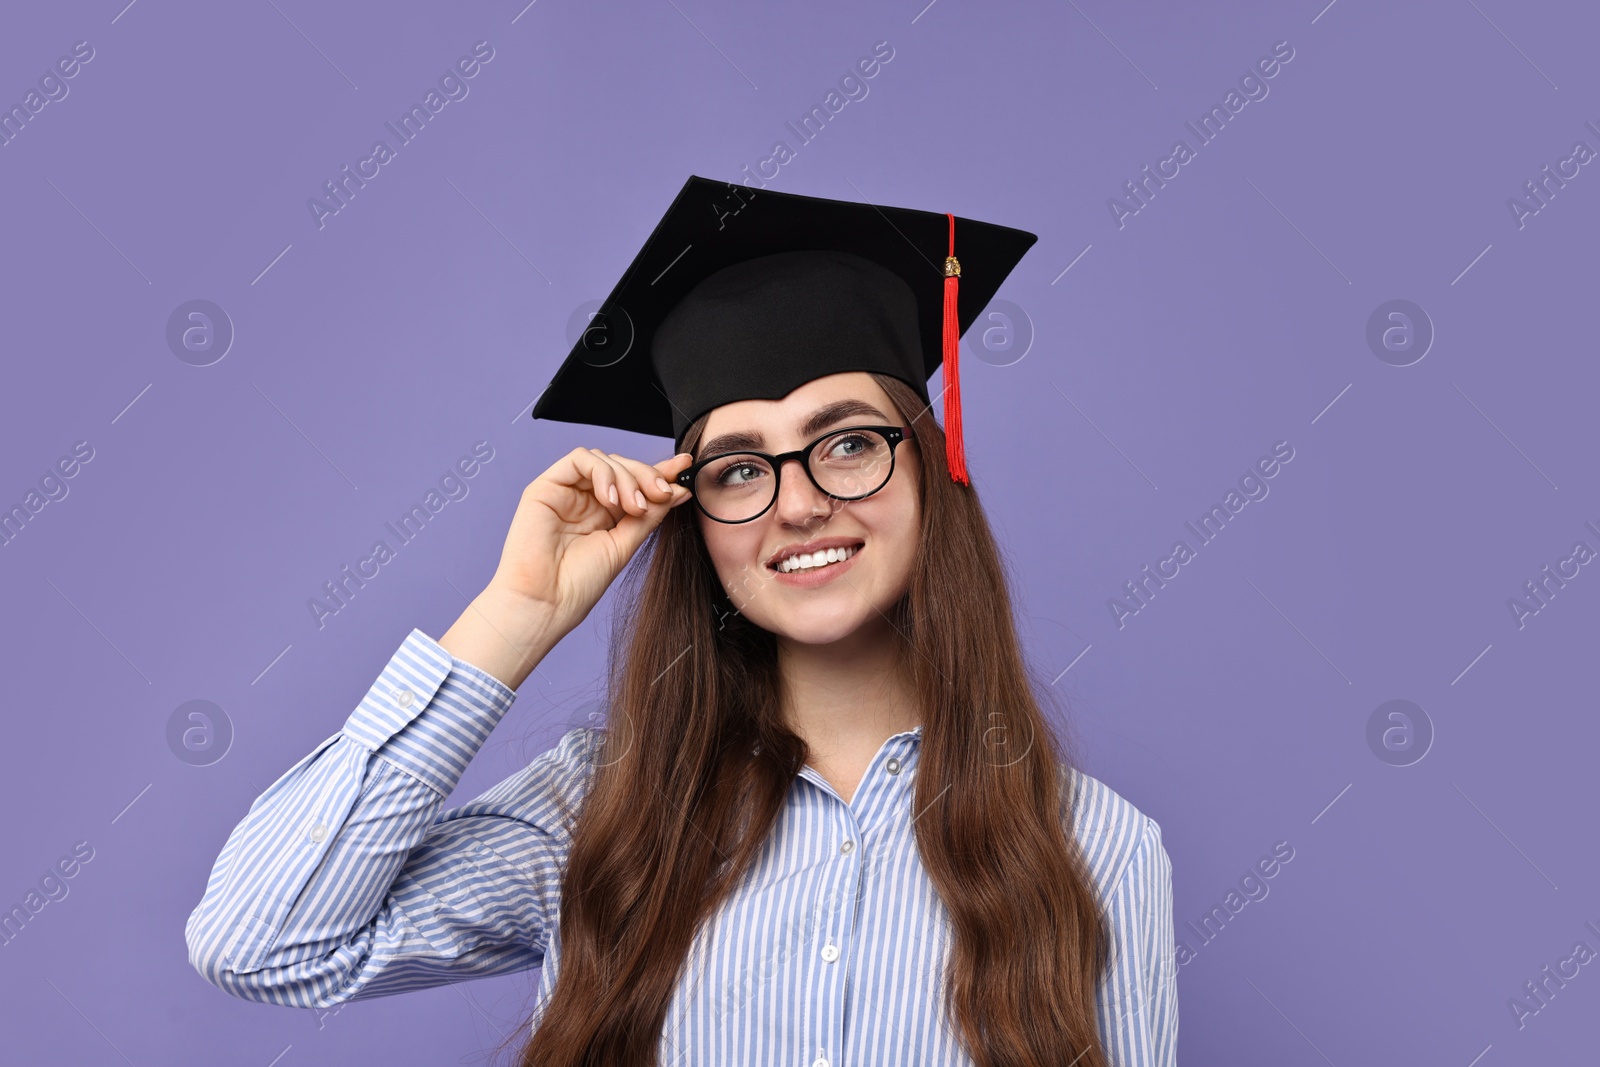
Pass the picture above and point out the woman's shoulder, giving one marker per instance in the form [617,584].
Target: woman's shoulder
[549,788]
[570,757]
[574,757]
[1110,829]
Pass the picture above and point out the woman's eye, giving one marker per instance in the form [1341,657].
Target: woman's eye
[737,474]
[855,441]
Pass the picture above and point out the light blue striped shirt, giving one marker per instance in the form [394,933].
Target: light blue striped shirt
[346,880]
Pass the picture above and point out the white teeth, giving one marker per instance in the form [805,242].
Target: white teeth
[808,561]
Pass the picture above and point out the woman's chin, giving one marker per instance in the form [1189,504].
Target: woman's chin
[818,627]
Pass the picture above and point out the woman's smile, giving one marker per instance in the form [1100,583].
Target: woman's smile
[817,573]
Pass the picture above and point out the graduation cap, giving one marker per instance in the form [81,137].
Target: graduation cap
[744,294]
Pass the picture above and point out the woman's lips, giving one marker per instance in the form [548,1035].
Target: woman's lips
[815,576]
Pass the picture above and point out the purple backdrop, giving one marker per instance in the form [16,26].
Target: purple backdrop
[1372,261]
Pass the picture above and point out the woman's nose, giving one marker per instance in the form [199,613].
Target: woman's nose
[799,500]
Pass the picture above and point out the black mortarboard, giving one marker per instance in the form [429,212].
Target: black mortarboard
[744,294]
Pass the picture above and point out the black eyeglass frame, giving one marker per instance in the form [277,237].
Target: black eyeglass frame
[894,435]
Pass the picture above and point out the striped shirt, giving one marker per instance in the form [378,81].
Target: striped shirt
[346,880]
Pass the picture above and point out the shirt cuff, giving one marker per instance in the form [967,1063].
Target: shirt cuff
[429,712]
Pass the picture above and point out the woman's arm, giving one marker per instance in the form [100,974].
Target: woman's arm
[1138,1001]
[345,881]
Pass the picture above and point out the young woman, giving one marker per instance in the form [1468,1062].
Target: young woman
[826,821]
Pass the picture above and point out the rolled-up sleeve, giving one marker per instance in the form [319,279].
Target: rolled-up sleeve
[1138,999]
[345,880]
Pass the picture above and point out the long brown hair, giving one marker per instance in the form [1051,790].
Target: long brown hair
[695,738]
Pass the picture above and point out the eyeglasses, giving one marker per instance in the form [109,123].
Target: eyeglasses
[847,464]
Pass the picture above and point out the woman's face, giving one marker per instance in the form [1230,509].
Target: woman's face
[824,605]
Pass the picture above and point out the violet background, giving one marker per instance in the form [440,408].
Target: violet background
[1227,315]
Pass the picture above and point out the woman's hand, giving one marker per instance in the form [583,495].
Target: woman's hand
[577,526]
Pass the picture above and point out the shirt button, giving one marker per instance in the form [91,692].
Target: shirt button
[318,832]
[893,765]
[847,848]
[404,697]
[819,1062]
[830,953]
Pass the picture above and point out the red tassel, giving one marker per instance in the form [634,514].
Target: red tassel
[955,449]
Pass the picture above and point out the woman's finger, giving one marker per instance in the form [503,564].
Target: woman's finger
[670,468]
[601,481]
[629,493]
[656,487]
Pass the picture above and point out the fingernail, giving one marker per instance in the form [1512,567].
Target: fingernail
[662,482]
[639,496]
[611,491]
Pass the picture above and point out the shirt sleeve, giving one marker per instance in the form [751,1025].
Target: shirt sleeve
[345,881]
[1138,999]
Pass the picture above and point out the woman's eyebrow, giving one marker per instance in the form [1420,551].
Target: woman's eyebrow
[817,421]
